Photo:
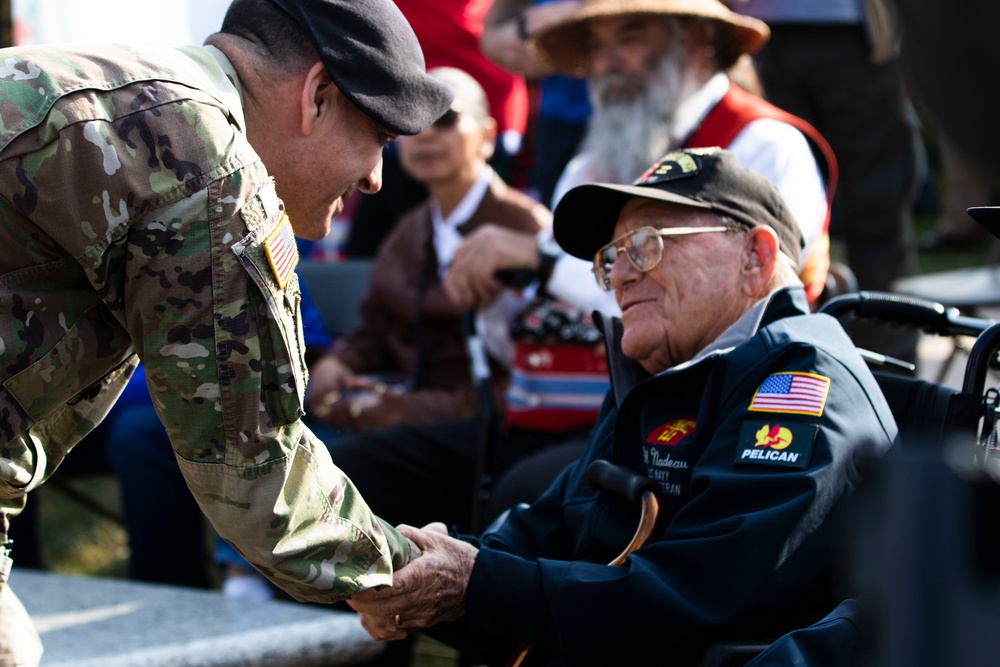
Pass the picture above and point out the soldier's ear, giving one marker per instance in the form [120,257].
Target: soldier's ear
[316,97]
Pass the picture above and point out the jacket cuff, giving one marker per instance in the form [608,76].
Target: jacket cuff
[505,596]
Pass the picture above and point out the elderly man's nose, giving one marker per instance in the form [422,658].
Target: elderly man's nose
[605,60]
[622,270]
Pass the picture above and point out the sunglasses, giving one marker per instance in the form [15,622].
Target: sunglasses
[447,121]
[643,247]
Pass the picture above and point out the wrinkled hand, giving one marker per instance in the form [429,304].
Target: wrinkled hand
[428,591]
[328,377]
[471,281]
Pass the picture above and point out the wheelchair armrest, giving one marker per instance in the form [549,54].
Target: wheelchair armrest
[904,310]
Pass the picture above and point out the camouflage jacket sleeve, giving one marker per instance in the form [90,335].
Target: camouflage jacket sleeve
[229,387]
[152,192]
[223,350]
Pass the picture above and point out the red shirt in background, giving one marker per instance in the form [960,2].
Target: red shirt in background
[448,31]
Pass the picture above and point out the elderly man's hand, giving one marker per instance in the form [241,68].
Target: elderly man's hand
[428,591]
[471,281]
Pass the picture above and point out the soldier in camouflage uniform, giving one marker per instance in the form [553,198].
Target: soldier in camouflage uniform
[138,221]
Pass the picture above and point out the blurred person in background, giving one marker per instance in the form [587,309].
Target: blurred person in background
[448,32]
[410,332]
[657,77]
[563,105]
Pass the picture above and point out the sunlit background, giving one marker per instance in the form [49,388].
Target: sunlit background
[166,22]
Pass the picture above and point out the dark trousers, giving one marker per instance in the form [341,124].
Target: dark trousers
[426,472]
[823,74]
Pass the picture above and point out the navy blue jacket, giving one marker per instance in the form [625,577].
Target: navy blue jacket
[750,471]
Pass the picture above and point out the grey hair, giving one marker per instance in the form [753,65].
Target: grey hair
[785,272]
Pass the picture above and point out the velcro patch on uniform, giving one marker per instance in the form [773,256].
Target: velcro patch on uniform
[282,253]
[792,393]
[776,444]
[672,432]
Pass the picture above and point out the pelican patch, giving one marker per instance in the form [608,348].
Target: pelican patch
[772,443]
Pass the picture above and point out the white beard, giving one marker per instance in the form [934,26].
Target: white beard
[625,137]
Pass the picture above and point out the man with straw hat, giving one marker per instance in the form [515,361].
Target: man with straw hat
[657,74]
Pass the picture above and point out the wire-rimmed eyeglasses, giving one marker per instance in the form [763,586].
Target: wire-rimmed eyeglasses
[643,247]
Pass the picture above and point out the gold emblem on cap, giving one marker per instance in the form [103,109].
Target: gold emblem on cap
[675,164]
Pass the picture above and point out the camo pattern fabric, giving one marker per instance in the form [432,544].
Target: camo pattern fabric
[136,221]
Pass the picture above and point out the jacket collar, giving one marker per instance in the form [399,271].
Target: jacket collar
[627,373]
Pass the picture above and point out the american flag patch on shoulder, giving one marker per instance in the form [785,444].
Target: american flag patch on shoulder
[794,393]
[282,253]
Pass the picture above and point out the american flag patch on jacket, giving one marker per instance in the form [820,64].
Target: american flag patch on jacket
[795,393]
[282,253]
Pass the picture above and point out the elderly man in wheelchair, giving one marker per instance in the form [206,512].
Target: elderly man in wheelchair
[751,414]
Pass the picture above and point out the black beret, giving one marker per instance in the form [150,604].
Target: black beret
[706,178]
[374,58]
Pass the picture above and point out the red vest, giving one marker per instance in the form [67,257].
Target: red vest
[738,108]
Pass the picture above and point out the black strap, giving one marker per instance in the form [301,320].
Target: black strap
[426,273]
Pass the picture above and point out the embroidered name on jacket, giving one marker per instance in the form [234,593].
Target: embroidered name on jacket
[792,393]
[663,462]
[788,445]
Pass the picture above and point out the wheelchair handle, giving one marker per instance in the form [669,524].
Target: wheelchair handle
[902,309]
[620,481]
[983,351]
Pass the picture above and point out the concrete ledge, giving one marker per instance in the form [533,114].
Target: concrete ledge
[97,622]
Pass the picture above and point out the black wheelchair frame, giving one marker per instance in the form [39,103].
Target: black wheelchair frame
[941,428]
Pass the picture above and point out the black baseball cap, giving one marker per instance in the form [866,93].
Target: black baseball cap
[705,178]
[373,57]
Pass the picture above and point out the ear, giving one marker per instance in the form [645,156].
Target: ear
[760,258]
[489,138]
[316,97]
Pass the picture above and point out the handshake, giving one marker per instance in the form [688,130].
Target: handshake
[427,591]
